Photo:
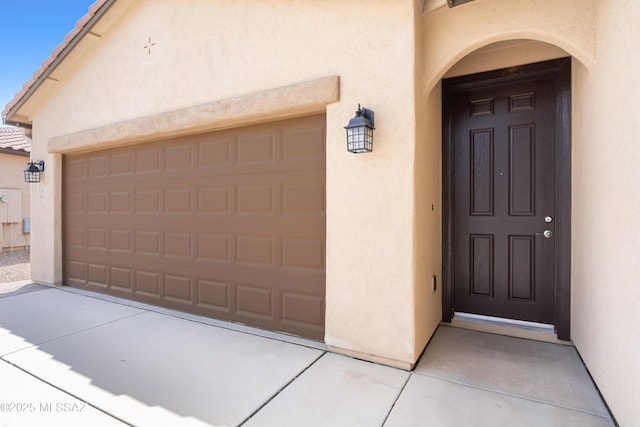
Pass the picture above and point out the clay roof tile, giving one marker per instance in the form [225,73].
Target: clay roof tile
[13,138]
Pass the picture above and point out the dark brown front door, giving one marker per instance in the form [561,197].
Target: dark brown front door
[507,180]
[504,191]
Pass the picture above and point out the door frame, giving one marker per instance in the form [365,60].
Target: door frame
[561,70]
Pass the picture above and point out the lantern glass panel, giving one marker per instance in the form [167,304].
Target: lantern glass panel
[360,139]
[30,176]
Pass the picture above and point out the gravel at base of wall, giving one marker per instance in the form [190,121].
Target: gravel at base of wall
[15,266]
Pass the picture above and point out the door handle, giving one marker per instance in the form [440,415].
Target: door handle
[546,233]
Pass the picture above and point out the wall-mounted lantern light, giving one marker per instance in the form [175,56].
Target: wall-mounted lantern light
[360,132]
[33,170]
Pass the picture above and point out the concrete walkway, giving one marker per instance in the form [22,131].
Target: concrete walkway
[74,358]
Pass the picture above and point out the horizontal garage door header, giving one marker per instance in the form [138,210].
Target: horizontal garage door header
[295,100]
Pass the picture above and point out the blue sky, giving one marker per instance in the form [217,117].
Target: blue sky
[29,31]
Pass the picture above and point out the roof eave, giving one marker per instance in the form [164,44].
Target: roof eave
[12,109]
[11,152]
[15,123]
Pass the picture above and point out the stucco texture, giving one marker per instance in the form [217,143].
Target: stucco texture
[601,37]
[606,200]
[148,58]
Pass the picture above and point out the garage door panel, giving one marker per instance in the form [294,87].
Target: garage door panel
[121,240]
[97,202]
[306,143]
[294,280]
[98,166]
[303,198]
[303,253]
[178,201]
[214,247]
[75,237]
[253,148]
[121,202]
[97,238]
[147,242]
[121,164]
[248,197]
[178,245]
[121,279]
[147,283]
[255,199]
[214,294]
[229,224]
[75,169]
[255,251]
[148,201]
[229,174]
[75,202]
[75,271]
[214,200]
[254,301]
[228,156]
[224,244]
[302,309]
[149,160]
[178,288]
[179,157]
[97,275]
[214,153]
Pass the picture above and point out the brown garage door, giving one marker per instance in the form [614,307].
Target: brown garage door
[229,224]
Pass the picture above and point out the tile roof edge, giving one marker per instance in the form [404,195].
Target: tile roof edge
[12,152]
[83,25]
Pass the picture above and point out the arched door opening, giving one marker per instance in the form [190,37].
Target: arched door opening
[506,195]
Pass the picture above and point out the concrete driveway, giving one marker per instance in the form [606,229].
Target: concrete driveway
[75,358]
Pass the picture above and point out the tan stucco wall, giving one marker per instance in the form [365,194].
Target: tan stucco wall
[478,36]
[427,243]
[605,204]
[602,38]
[217,51]
[452,34]
[12,177]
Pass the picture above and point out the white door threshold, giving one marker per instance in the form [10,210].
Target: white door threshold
[509,327]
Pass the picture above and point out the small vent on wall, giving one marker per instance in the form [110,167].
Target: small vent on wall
[26,225]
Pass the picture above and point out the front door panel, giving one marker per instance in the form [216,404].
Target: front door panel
[504,190]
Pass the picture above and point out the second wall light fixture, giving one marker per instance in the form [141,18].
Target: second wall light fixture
[33,170]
